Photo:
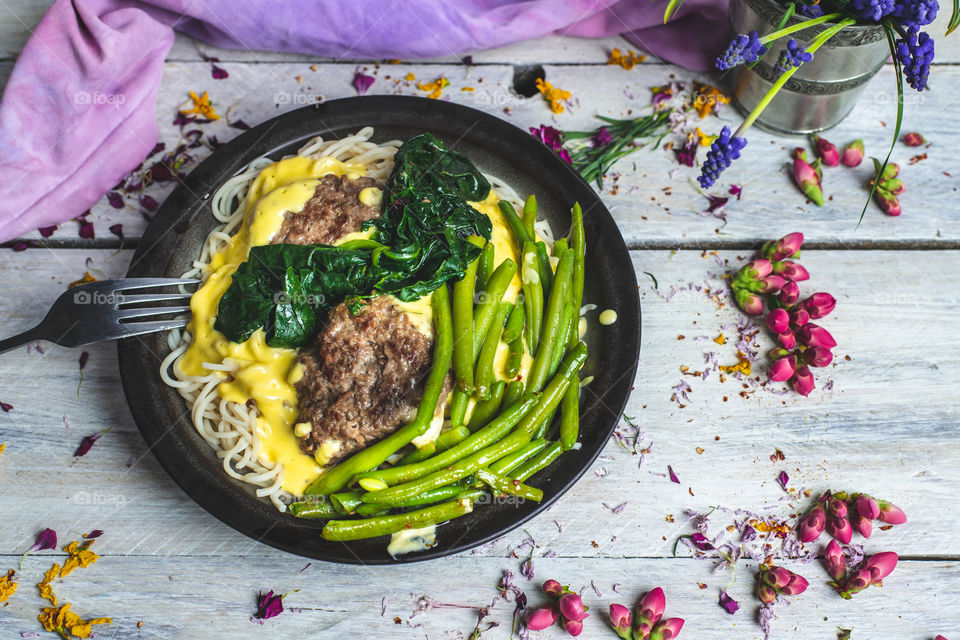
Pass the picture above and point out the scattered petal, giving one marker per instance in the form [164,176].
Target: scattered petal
[218,73]
[269,605]
[362,82]
[673,476]
[783,479]
[117,230]
[728,603]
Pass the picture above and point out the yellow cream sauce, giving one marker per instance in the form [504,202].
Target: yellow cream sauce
[267,374]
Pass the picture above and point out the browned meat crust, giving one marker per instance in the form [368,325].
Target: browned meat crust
[363,377]
[334,211]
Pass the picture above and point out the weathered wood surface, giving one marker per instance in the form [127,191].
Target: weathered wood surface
[887,427]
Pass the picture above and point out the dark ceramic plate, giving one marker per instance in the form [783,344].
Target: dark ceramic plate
[175,235]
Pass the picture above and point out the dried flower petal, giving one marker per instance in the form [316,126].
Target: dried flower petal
[728,603]
[6,406]
[269,605]
[201,106]
[783,479]
[673,476]
[362,82]
[117,230]
[218,73]
[554,96]
[87,443]
[8,585]
[115,200]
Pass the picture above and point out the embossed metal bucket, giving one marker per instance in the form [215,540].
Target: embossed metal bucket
[821,93]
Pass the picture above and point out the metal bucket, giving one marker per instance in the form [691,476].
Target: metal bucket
[821,93]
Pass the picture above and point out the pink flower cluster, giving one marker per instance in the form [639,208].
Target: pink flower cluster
[567,607]
[840,513]
[803,344]
[773,581]
[809,176]
[849,581]
[889,186]
[648,624]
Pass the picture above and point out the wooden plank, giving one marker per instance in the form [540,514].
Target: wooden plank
[178,597]
[649,215]
[887,426]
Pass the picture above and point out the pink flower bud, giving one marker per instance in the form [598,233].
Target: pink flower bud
[765,593]
[852,155]
[863,526]
[652,606]
[542,618]
[772,284]
[553,588]
[890,513]
[839,528]
[940,638]
[859,581]
[667,629]
[573,627]
[888,202]
[776,577]
[789,294]
[812,526]
[621,619]
[778,352]
[792,271]
[787,340]
[827,151]
[867,507]
[807,179]
[803,381]
[913,139]
[785,247]
[778,320]
[572,607]
[817,356]
[814,335]
[783,368]
[836,561]
[797,585]
[819,305]
[837,507]
[751,303]
[756,269]
[799,316]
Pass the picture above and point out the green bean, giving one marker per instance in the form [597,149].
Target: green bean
[518,438]
[579,246]
[509,486]
[514,358]
[312,509]
[341,530]
[463,296]
[545,425]
[374,455]
[544,267]
[498,428]
[490,298]
[506,464]
[541,460]
[429,497]
[570,416]
[549,341]
[514,328]
[532,296]
[344,503]
[471,494]
[530,215]
[513,393]
[458,407]
[443,442]
[514,222]
[417,455]
[486,410]
[485,266]
[485,375]
[568,321]
[559,246]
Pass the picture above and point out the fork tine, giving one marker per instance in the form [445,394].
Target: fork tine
[131,329]
[137,298]
[145,283]
[130,314]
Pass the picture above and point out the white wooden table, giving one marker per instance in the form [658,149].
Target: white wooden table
[887,426]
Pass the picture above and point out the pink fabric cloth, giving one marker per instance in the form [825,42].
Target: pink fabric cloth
[78,111]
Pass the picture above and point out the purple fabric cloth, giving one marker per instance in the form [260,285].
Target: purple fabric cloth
[78,111]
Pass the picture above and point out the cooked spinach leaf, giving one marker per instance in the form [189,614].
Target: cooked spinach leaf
[419,244]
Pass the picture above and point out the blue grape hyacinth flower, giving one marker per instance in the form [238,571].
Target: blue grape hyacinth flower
[724,150]
[871,9]
[793,56]
[915,53]
[745,48]
[915,13]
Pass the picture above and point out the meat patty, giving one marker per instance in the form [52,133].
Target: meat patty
[363,378]
[334,211]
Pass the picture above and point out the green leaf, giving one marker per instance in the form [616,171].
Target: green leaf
[672,7]
[954,18]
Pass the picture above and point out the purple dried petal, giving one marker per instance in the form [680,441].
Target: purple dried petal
[148,202]
[46,232]
[115,200]
[96,533]
[783,479]
[20,245]
[467,61]
[736,190]
[602,137]
[673,476]
[239,124]
[701,542]
[218,73]
[6,406]
[268,605]
[526,569]
[749,533]
[86,230]
[362,82]
[86,444]
[84,356]
[117,230]
[46,539]
[728,603]
[159,172]
[716,202]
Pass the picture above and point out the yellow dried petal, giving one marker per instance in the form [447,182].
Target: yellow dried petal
[743,365]
[7,586]
[2,447]
[201,106]
[627,61]
[720,339]
[552,95]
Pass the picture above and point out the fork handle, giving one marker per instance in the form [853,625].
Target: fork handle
[19,340]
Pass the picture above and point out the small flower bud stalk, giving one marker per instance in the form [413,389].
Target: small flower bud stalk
[835,560]
[891,513]
[621,620]
[852,154]
[827,151]
[806,177]
[813,524]
[791,271]
[667,629]
[649,612]
[749,302]
[786,247]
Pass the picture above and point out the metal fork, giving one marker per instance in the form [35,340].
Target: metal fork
[101,310]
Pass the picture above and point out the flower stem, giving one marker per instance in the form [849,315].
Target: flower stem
[782,80]
[812,22]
